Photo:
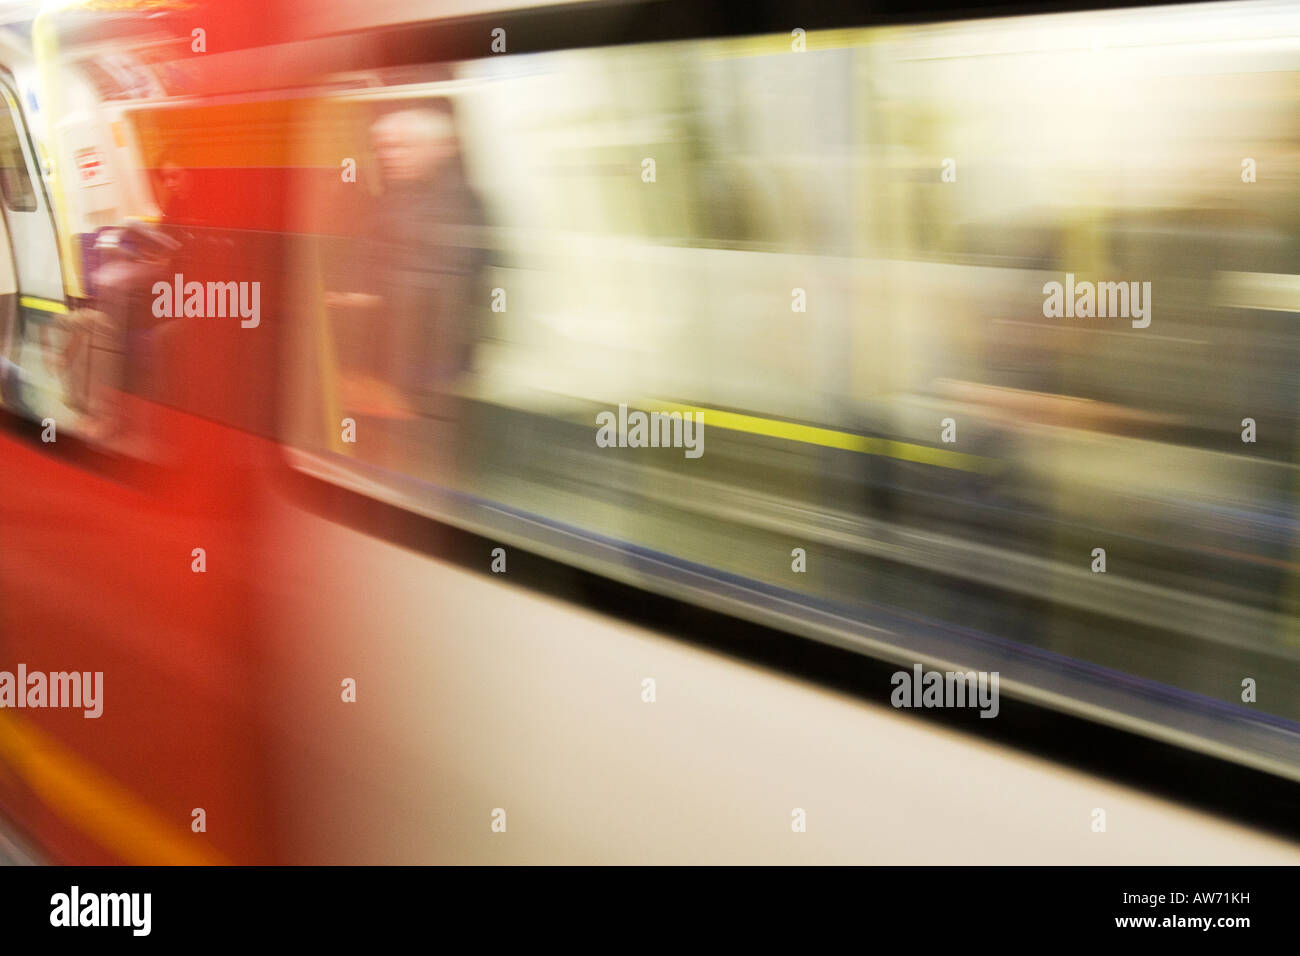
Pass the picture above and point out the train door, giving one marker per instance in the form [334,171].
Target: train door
[26,210]
[8,312]
[33,257]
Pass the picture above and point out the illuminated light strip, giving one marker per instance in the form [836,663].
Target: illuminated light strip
[830,438]
[1276,292]
[99,806]
[780,44]
[128,6]
[42,305]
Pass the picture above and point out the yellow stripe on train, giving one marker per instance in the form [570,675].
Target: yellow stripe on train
[42,305]
[831,438]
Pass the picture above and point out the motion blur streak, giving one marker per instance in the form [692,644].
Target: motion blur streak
[106,811]
[992,325]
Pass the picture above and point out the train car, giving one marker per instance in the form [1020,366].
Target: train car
[958,346]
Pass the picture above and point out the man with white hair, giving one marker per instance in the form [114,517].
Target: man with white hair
[411,144]
[421,280]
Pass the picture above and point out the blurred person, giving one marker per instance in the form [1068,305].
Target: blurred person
[175,191]
[400,366]
[127,261]
[119,323]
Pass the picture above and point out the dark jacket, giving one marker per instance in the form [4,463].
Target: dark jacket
[427,247]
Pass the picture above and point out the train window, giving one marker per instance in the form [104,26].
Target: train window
[15,179]
[542,240]
[395,294]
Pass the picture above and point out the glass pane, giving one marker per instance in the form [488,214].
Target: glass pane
[15,182]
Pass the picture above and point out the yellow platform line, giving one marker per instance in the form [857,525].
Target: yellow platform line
[96,804]
[830,438]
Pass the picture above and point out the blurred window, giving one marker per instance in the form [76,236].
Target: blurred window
[653,210]
[15,180]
